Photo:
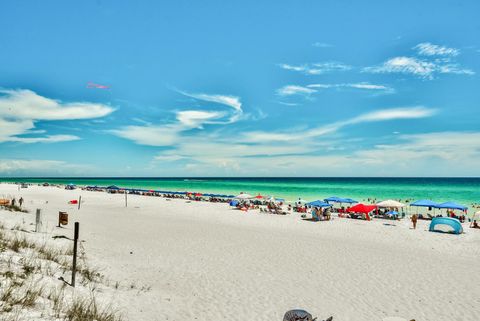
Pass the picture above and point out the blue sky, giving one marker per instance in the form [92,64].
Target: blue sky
[223,88]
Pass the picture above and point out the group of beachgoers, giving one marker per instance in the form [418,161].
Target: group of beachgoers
[273,206]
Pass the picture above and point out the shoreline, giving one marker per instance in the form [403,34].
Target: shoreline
[473,204]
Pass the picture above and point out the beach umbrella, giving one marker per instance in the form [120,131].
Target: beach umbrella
[318,203]
[390,203]
[349,201]
[300,201]
[392,213]
[198,194]
[259,196]
[334,199]
[113,187]
[244,196]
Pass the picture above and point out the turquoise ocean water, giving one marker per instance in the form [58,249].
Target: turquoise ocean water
[465,191]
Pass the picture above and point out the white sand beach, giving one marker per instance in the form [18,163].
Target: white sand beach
[205,261]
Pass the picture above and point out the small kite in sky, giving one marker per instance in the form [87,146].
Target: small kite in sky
[97,86]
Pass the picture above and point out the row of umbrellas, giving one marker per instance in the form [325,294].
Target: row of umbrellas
[334,199]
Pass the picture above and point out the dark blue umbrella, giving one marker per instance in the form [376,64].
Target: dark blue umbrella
[318,203]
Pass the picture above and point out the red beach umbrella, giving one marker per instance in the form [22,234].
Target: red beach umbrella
[198,194]
[259,196]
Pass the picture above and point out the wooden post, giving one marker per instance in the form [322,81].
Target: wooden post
[38,221]
[126,198]
[79,201]
[74,265]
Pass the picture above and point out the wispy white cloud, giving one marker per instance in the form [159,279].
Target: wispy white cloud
[429,49]
[26,104]
[407,65]
[294,90]
[374,116]
[317,68]
[185,120]
[45,139]
[21,167]
[21,109]
[151,135]
[196,118]
[430,154]
[435,60]
[232,101]
[360,85]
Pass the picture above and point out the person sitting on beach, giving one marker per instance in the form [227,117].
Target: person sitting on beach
[475,224]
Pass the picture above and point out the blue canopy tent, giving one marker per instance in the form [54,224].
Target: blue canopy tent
[336,199]
[318,203]
[425,203]
[452,206]
[113,187]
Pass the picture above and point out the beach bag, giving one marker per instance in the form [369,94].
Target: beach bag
[297,315]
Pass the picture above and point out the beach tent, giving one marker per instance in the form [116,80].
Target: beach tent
[336,199]
[476,216]
[390,203]
[451,222]
[113,187]
[452,206]
[234,203]
[362,208]
[424,203]
[318,203]
[244,196]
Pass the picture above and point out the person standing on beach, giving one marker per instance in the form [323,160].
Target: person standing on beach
[414,219]
[20,201]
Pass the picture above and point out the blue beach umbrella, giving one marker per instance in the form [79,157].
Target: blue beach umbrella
[392,213]
[318,203]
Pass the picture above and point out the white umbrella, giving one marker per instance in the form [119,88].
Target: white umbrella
[390,203]
[243,196]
